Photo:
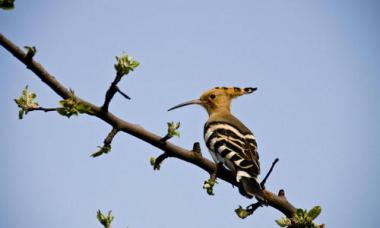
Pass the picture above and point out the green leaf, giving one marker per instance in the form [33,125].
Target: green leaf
[152,161]
[62,111]
[82,108]
[283,222]
[100,216]
[125,63]
[242,213]
[102,150]
[26,102]
[209,186]
[173,129]
[134,64]
[71,106]
[302,218]
[110,216]
[314,212]
[105,221]
[300,212]
[7,4]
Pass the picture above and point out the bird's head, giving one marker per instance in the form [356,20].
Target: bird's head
[217,99]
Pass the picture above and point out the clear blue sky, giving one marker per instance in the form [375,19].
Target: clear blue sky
[316,64]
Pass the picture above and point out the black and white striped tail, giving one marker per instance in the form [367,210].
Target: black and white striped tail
[250,186]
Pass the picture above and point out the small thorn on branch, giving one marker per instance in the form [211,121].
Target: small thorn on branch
[31,51]
[281,193]
[197,149]
[269,172]
[122,93]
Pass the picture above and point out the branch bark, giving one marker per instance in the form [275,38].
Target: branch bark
[278,202]
[112,90]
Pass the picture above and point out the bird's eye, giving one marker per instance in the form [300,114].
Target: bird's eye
[212,96]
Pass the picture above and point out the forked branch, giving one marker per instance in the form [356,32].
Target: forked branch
[112,90]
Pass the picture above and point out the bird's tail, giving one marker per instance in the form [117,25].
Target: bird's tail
[249,187]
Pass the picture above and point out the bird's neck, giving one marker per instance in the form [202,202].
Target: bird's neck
[219,112]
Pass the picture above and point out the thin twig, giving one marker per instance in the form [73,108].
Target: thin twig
[111,91]
[165,138]
[269,172]
[253,207]
[42,109]
[110,136]
[122,93]
[159,160]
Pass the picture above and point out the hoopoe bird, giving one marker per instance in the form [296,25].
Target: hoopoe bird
[229,141]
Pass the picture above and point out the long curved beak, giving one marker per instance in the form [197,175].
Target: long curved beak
[197,101]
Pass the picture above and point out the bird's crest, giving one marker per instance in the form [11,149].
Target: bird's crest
[219,98]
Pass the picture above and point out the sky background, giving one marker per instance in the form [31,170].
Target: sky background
[317,68]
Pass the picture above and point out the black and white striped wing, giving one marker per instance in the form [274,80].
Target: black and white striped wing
[235,149]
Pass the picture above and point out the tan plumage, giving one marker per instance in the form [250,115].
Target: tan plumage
[229,141]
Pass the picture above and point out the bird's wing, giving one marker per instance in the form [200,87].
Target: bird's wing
[250,152]
[235,146]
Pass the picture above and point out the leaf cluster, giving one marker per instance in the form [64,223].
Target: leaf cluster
[102,150]
[105,221]
[153,163]
[26,102]
[125,63]
[242,212]
[71,106]
[7,4]
[302,219]
[209,186]
[173,129]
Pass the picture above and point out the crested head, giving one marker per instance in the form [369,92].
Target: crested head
[219,99]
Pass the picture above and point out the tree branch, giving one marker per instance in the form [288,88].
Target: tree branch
[122,93]
[110,136]
[43,109]
[112,90]
[268,174]
[276,201]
